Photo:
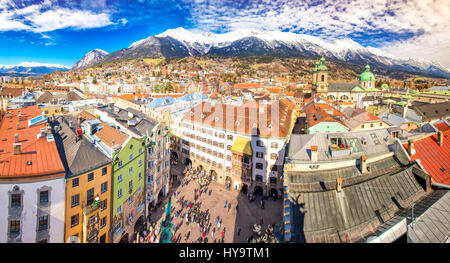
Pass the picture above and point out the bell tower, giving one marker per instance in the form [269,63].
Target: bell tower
[320,76]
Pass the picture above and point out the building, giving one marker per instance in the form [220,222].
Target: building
[88,184]
[32,187]
[8,93]
[361,96]
[358,119]
[128,156]
[157,147]
[346,187]
[241,146]
[322,117]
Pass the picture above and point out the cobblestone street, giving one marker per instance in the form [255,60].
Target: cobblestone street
[249,213]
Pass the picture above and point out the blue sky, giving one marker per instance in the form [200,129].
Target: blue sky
[62,31]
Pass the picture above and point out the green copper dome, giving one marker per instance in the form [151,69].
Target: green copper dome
[322,67]
[385,86]
[367,75]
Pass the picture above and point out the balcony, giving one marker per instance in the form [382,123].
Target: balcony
[241,164]
[89,209]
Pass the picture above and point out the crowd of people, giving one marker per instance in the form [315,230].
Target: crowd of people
[185,211]
[199,175]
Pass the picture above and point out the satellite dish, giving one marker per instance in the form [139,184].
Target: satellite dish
[97,199]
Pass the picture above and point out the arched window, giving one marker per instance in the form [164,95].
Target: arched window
[323,78]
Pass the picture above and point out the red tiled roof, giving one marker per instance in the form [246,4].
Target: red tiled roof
[132,96]
[246,85]
[319,112]
[434,157]
[11,92]
[168,95]
[246,115]
[42,154]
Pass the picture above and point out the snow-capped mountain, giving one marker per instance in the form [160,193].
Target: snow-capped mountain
[31,68]
[179,42]
[91,58]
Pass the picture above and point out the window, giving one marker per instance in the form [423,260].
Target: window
[119,178]
[131,157]
[75,182]
[74,220]
[140,150]
[130,185]
[104,187]
[371,125]
[140,163]
[381,124]
[104,170]
[140,176]
[43,197]
[259,178]
[119,193]
[103,222]
[131,170]
[322,78]
[120,164]
[104,204]
[229,147]
[259,154]
[259,166]
[15,200]
[130,200]
[14,226]
[230,137]
[362,126]
[273,180]
[43,222]
[90,177]
[75,200]
[274,145]
[119,210]
[90,196]
[273,156]
[259,143]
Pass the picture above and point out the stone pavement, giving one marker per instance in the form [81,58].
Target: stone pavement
[249,212]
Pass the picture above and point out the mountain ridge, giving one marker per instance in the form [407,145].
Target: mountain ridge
[179,42]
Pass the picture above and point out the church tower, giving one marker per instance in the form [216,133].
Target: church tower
[320,76]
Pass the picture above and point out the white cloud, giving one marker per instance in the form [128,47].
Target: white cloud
[427,21]
[47,16]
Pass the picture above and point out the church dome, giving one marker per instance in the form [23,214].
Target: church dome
[367,75]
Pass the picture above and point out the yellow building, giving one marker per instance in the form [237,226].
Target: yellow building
[88,184]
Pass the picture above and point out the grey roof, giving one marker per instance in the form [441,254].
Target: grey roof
[326,216]
[142,123]
[433,111]
[343,87]
[77,156]
[300,144]
[432,226]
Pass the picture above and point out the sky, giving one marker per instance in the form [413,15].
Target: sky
[63,31]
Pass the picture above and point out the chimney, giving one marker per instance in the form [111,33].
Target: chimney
[48,129]
[20,116]
[363,165]
[411,147]
[405,110]
[440,138]
[338,184]
[16,138]
[17,148]
[314,153]
[17,126]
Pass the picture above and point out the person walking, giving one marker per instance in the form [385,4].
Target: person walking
[225,205]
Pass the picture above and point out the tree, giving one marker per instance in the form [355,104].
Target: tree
[94,81]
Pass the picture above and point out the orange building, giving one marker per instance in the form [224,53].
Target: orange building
[88,184]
